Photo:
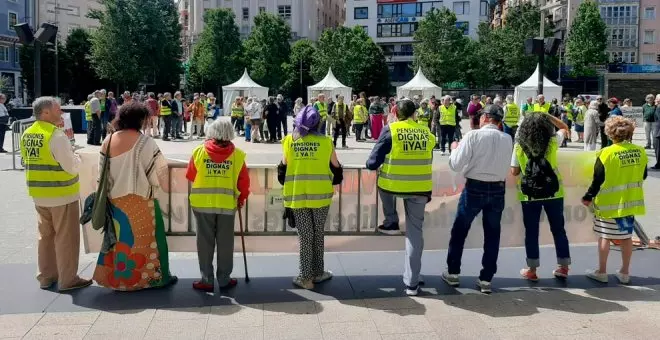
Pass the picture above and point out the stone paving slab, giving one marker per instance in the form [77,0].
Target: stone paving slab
[603,313]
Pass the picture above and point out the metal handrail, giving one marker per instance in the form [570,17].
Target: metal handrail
[17,129]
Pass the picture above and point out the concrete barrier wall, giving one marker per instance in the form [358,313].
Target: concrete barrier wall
[356,211]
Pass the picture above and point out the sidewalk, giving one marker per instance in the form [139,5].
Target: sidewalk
[364,300]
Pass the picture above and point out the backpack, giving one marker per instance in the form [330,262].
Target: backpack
[539,180]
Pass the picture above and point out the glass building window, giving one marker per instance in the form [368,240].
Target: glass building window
[361,13]
[462,7]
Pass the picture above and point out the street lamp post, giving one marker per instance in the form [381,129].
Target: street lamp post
[56,9]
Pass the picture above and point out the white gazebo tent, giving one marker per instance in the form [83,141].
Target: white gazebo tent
[419,86]
[529,88]
[244,87]
[331,87]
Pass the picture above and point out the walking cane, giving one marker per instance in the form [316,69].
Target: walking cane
[240,223]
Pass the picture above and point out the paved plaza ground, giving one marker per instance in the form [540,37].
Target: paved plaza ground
[365,300]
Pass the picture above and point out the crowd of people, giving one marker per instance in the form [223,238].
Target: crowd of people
[503,140]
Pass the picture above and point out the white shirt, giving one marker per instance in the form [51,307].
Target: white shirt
[60,148]
[3,111]
[483,155]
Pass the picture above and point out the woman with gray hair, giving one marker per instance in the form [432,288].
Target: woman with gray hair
[591,126]
[220,185]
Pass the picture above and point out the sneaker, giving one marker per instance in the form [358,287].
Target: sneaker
[3,150]
[80,283]
[420,280]
[561,272]
[325,276]
[412,291]
[597,276]
[304,284]
[232,283]
[484,286]
[443,153]
[344,146]
[451,279]
[389,230]
[529,275]
[202,286]
[624,279]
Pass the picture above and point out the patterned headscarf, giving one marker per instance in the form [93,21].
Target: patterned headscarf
[307,121]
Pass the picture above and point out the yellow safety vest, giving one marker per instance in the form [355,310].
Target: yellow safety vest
[569,111]
[511,115]
[322,108]
[44,175]
[335,110]
[622,193]
[237,110]
[551,156]
[308,181]
[88,111]
[448,115]
[423,116]
[215,187]
[165,110]
[542,108]
[408,168]
[579,117]
[359,114]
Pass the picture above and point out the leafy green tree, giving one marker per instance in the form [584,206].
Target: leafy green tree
[26,61]
[587,40]
[297,70]
[440,47]
[83,78]
[355,60]
[503,49]
[138,41]
[267,49]
[216,58]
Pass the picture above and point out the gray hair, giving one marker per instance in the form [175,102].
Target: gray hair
[90,96]
[650,96]
[177,93]
[593,105]
[497,101]
[221,130]
[509,99]
[43,103]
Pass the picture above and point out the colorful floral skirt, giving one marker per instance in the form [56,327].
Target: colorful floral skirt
[139,260]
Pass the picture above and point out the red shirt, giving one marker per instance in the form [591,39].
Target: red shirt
[152,105]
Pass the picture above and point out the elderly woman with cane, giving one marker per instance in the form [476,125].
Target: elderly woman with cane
[617,195]
[308,170]
[220,186]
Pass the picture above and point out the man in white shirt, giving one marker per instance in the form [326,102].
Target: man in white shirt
[51,171]
[482,158]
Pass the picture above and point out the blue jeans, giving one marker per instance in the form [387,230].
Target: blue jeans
[414,207]
[554,209]
[511,131]
[487,198]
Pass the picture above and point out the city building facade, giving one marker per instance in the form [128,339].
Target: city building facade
[66,14]
[392,25]
[12,12]
[307,18]
[649,32]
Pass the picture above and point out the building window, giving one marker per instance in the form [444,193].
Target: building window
[483,8]
[262,9]
[648,58]
[284,11]
[246,13]
[73,10]
[462,7]
[361,13]
[396,30]
[649,13]
[626,57]
[649,37]
[619,15]
[12,19]
[4,54]
[407,10]
[463,26]
[622,37]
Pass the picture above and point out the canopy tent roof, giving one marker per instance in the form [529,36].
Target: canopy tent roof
[419,85]
[532,81]
[330,82]
[244,83]
[529,88]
